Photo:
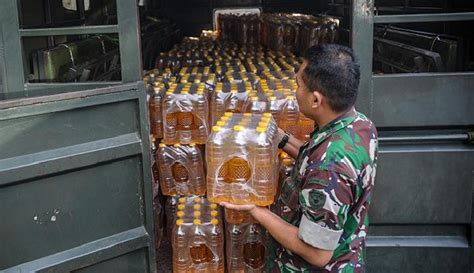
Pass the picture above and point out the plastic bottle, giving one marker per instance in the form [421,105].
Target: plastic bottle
[181,169]
[181,262]
[289,116]
[305,127]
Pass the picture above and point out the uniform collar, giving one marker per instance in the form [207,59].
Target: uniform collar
[329,129]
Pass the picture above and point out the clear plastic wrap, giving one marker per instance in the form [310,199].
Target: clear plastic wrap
[246,243]
[155,110]
[242,159]
[305,128]
[229,97]
[195,70]
[239,77]
[285,110]
[195,78]
[185,114]
[198,237]
[181,170]
[279,75]
[274,84]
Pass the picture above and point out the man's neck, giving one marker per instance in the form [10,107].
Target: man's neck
[324,120]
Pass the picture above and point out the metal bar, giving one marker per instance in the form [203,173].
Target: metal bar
[362,44]
[13,50]
[69,30]
[432,17]
[9,109]
[452,137]
[72,157]
[418,241]
[129,40]
[88,254]
[146,166]
[91,84]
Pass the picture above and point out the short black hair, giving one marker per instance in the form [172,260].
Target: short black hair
[334,71]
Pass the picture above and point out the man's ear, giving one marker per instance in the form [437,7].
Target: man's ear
[317,99]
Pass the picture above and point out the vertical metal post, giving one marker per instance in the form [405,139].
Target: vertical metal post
[129,39]
[14,75]
[362,31]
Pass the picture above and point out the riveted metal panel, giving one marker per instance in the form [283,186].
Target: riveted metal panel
[75,182]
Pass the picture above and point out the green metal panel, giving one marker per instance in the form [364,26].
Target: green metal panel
[362,42]
[75,182]
[129,38]
[14,73]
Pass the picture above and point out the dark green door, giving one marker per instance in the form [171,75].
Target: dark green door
[75,184]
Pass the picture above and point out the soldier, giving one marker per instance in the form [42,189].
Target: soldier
[319,221]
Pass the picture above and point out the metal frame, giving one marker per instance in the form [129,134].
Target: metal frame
[363,22]
[127,29]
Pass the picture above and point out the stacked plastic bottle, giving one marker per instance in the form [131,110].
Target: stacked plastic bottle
[242,161]
[185,114]
[283,106]
[181,169]
[229,97]
[246,243]
[286,166]
[198,237]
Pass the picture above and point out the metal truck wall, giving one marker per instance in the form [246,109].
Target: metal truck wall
[422,208]
[75,185]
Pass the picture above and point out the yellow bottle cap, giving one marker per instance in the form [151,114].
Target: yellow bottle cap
[233,91]
[197,214]
[197,222]
[156,88]
[290,97]
[177,145]
[162,145]
[220,123]
[197,206]
[261,129]
[265,119]
[197,200]
[181,207]
[247,114]
[224,118]
[214,213]
[238,128]
[192,144]
[228,114]
[263,124]
[182,199]
[213,206]
[180,213]
[283,154]
[216,128]
[254,98]
[214,222]
[267,114]
[169,93]
[200,92]
[272,98]
[287,161]
[179,222]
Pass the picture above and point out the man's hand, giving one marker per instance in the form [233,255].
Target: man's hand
[248,208]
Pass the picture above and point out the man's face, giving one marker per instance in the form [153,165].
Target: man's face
[304,96]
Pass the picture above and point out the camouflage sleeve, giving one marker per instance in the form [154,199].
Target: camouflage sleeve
[325,199]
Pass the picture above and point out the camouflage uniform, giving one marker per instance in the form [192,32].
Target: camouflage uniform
[328,194]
